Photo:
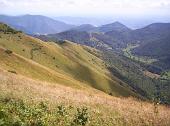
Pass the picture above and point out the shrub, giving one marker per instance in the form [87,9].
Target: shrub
[61,42]
[19,36]
[8,51]
[110,94]
[43,106]
[11,71]
[82,117]
[61,110]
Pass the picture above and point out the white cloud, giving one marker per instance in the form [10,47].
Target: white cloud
[85,7]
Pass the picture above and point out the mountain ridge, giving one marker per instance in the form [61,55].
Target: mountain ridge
[35,24]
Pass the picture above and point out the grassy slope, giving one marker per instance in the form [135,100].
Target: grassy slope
[67,60]
[102,109]
[23,66]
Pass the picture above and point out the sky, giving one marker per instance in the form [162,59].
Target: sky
[133,13]
[86,7]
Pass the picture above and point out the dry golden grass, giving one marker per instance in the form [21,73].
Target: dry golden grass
[132,111]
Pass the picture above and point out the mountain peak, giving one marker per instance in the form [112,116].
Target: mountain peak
[117,26]
[117,23]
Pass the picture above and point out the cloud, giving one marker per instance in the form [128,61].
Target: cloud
[88,7]
[2,4]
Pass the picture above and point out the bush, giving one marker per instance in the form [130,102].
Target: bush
[110,94]
[82,117]
[60,42]
[8,51]
[11,71]
[61,110]
[19,36]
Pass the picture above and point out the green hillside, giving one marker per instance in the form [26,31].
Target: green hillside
[59,61]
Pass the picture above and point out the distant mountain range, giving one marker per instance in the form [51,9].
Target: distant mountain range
[35,24]
[131,22]
[90,35]
[103,28]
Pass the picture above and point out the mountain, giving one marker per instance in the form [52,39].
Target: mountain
[115,35]
[96,21]
[35,24]
[144,35]
[154,42]
[65,63]
[152,32]
[131,22]
[85,27]
[99,37]
[158,49]
[80,37]
[117,26]
[97,40]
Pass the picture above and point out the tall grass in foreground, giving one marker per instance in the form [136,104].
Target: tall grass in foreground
[16,112]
